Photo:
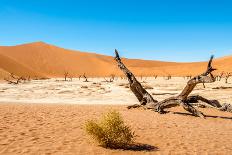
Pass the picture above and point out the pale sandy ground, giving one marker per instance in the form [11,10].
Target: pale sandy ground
[37,124]
[98,92]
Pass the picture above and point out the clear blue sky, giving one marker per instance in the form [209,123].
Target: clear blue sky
[171,30]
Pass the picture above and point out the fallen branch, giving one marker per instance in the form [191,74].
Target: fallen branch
[148,102]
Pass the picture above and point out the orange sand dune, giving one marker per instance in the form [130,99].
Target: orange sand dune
[8,65]
[41,59]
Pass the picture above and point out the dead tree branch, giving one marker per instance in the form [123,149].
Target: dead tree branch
[183,99]
[142,95]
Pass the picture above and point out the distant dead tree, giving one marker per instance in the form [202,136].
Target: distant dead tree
[70,77]
[83,76]
[15,79]
[219,77]
[80,77]
[188,76]
[155,76]
[86,79]
[167,77]
[66,75]
[111,79]
[183,99]
[227,76]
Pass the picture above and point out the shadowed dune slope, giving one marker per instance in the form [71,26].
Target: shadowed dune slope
[8,65]
[41,59]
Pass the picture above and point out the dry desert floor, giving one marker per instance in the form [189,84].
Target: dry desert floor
[48,117]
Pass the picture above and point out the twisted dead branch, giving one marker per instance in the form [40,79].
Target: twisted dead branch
[183,99]
[142,95]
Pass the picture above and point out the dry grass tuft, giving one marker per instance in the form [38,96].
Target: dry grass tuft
[110,131]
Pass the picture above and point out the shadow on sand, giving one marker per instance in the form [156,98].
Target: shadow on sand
[137,147]
[141,147]
[209,116]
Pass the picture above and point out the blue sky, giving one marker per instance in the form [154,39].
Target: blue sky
[170,30]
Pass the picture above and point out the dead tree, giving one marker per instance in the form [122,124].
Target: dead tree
[227,76]
[86,79]
[167,77]
[155,76]
[65,76]
[188,76]
[106,80]
[220,76]
[111,79]
[15,79]
[70,77]
[84,76]
[183,99]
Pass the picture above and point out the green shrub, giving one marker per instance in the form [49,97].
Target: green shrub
[110,131]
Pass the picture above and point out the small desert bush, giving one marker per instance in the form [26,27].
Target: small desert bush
[110,131]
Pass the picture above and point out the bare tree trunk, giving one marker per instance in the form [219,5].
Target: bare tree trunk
[141,94]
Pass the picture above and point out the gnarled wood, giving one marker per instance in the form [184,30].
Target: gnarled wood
[142,95]
[205,103]
[182,98]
